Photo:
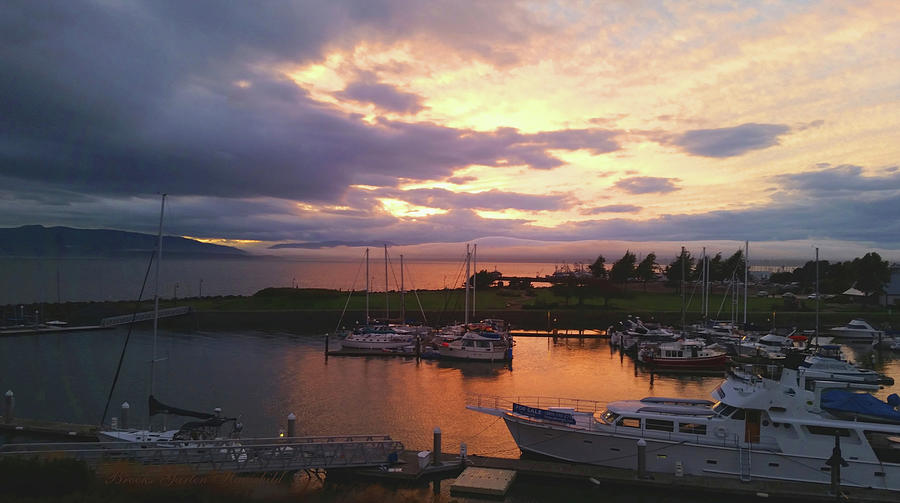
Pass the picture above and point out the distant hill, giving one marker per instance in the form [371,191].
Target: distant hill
[40,241]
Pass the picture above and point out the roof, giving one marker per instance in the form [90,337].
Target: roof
[854,292]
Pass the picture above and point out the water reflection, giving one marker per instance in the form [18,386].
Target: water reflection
[264,376]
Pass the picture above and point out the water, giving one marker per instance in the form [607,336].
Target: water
[264,376]
[33,280]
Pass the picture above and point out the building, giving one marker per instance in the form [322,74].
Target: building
[891,295]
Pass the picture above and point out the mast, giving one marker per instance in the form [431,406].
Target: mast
[468,260]
[703,286]
[402,294]
[746,277]
[682,289]
[816,341]
[475,273]
[156,289]
[387,306]
[367,286]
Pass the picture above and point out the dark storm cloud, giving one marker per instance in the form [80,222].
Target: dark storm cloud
[612,208]
[142,97]
[729,141]
[383,96]
[647,185]
[844,178]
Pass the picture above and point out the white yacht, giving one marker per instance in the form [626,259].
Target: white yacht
[487,340]
[375,337]
[758,427]
[834,369]
[857,329]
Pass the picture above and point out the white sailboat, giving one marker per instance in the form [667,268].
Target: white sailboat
[209,424]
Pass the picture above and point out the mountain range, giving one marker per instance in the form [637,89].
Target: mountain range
[40,241]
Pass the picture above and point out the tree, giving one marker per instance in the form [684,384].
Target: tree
[735,264]
[598,268]
[673,272]
[484,278]
[717,268]
[646,270]
[871,273]
[623,268]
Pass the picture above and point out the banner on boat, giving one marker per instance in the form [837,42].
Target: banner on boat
[550,415]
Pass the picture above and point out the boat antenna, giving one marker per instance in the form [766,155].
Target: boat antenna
[402,294]
[162,210]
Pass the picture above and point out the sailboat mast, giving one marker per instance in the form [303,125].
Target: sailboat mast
[703,285]
[468,260]
[816,341]
[162,210]
[387,306]
[682,289]
[402,293]
[367,286]
[746,277]
[475,275]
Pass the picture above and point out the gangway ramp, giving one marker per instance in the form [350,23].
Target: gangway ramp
[246,455]
[125,319]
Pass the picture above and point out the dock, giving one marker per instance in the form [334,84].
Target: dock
[601,476]
[46,329]
[561,333]
[125,319]
[49,429]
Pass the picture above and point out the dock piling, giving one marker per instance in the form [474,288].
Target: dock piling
[463,451]
[436,451]
[326,345]
[292,425]
[124,416]
[642,458]
[9,407]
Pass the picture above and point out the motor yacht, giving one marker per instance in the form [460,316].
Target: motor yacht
[770,428]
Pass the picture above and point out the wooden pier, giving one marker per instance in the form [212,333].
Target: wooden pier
[452,465]
[49,429]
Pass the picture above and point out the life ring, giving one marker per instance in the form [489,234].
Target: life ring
[720,431]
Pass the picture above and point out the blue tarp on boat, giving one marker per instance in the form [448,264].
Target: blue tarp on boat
[858,403]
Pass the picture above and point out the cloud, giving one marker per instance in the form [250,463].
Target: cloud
[383,96]
[729,142]
[485,200]
[612,208]
[647,185]
[845,178]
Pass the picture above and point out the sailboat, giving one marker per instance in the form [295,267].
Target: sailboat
[384,336]
[205,429]
[488,340]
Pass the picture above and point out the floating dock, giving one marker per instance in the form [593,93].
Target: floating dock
[38,428]
[487,481]
[561,333]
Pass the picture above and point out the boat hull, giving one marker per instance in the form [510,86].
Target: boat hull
[619,450]
[494,354]
[718,362]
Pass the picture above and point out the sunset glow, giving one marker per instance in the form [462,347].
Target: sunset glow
[451,122]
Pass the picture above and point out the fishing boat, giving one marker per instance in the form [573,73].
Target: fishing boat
[775,427]
[683,355]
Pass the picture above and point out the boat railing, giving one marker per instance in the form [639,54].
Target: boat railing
[541,402]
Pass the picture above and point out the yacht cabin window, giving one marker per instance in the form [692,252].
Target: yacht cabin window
[609,417]
[695,428]
[630,422]
[723,410]
[825,430]
[659,425]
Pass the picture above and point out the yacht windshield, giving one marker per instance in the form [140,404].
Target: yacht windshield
[608,417]
[723,410]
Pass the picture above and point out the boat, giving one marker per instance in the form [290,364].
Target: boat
[683,355]
[488,340]
[820,366]
[385,336]
[206,429]
[482,341]
[775,427]
[857,329]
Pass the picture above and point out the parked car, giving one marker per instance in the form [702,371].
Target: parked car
[762,293]
[811,296]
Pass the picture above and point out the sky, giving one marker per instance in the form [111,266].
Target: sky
[538,128]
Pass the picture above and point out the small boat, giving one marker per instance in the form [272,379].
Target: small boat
[857,329]
[379,337]
[485,341]
[818,366]
[683,355]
